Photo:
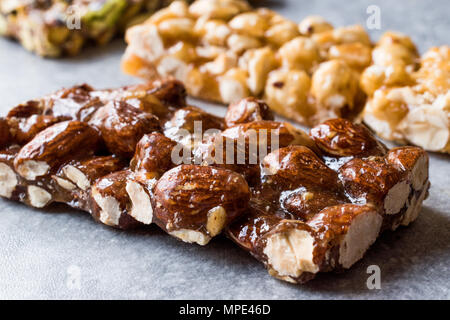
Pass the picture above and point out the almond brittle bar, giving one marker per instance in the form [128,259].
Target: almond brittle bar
[134,156]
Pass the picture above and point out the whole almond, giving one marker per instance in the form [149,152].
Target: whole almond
[55,145]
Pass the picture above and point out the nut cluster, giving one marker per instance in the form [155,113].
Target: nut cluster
[225,51]
[310,203]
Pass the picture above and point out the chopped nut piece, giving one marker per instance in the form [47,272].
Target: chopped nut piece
[191,236]
[122,126]
[217,218]
[141,209]
[8,180]
[63,183]
[38,197]
[314,24]
[233,85]
[260,63]
[111,204]
[291,253]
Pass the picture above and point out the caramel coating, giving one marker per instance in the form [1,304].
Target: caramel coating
[122,126]
[5,135]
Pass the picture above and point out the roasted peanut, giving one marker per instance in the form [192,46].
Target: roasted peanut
[286,92]
[110,202]
[217,8]
[239,43]
[299,53]
[233,85]
[356,55]
[214,32]
[335,85]
[259,62]
[280,33]
[249,23]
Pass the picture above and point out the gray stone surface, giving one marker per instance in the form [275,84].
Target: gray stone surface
[41,251]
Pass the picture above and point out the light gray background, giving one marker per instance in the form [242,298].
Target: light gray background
[40,251]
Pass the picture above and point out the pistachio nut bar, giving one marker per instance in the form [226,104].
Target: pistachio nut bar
[53,28]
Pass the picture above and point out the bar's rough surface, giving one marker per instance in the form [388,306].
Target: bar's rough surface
[300,203]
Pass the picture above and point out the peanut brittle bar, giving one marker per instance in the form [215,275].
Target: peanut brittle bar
[300,203]
[225,50]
